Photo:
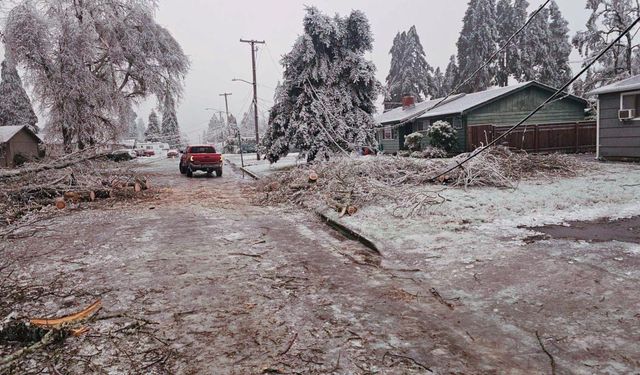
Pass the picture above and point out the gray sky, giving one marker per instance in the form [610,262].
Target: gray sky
[209,32]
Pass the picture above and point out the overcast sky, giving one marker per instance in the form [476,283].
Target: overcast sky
[209,32]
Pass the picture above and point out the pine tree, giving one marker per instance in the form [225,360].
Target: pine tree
[140,129]
[451,76]
[153,133]
[170,128]
[327,98]
[477,42]
[438,84]
[410,74]
[608,19]
[556,70]
[15,106]
[511,18]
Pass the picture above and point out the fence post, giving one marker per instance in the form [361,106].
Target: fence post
[577,139]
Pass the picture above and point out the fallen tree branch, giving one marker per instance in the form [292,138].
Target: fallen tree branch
[47,339]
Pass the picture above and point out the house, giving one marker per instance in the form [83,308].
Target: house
[17,142]
[619,120]
[490,110]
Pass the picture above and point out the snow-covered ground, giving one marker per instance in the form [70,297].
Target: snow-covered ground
[262,167]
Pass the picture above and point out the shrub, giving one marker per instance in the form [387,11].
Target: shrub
[442,135]
[434,153]
[404,153]
[416,154]
[413,141]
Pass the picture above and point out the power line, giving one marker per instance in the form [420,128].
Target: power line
[546,102]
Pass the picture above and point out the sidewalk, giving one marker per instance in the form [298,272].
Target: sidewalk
[262,168]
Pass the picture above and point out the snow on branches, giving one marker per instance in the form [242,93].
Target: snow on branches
[15,106]
[326,101]
[88,61]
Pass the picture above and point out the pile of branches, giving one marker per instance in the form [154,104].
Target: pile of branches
[64,182]
[346,184]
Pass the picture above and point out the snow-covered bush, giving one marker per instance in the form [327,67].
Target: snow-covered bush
[413,141]
[433,153]
[404,153]
[442,135]
[416,154]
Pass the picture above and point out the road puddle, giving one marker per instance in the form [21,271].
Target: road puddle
[602,230]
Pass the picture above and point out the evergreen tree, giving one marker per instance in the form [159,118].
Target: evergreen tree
[328,95]
[15,106]
[438,84]
[477,42]
[608,19]
[511,61]
[153,133]
[170,128]
[410,74]
[140,128]
[451,76]
[556,71]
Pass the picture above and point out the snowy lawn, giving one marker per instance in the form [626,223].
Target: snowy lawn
[477,251]
[262,167]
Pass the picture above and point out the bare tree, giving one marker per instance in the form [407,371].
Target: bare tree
[89,60]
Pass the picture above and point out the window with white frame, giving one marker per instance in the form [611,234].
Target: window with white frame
[630,102]
[389,133]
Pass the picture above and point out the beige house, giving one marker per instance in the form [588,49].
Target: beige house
[17,141]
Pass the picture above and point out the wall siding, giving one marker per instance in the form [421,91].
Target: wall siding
[618,140]
[513,108]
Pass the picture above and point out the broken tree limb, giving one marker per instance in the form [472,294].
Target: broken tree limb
[58,164]
[69,319]
[47,339]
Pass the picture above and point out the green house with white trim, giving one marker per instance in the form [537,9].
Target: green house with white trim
[503,106]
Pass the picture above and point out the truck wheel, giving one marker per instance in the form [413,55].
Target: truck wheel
[209,172]
[189,172]
[183,170]
[219,172]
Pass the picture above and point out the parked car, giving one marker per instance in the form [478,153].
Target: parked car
[148,152]
[122,155]
[201,158]
[139,152]
[173,153]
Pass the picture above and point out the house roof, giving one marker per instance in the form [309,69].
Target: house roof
[629,84]
[8,132]
[459,104]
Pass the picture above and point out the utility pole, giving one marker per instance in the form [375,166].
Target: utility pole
[226,106]
[255,86]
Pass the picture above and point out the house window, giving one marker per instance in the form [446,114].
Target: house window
[389,133]
[631,101]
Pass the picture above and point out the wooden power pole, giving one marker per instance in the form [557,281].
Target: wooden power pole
[255,86]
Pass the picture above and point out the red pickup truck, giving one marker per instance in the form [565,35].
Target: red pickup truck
[201,158]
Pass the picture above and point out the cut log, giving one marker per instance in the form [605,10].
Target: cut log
[351,210]
[137,187]
[313,176]
[60,203]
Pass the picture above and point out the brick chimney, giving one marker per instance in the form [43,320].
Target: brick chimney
[408,102]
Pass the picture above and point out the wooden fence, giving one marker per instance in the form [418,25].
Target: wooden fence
[572,137]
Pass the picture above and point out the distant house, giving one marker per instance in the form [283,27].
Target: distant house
[17,142]
[619,119]
[494,108]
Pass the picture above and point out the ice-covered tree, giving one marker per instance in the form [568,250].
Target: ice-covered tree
[88,60]
[511,62]
[438,89]
[153,132]
[15,106]
[451,75]
[410,74]
[555,70]
[326,101]
[608,19]
[477,42]
[170,128]
[248,123]
[140,129]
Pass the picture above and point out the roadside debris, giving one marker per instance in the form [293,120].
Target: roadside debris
[64,183]
[347,184]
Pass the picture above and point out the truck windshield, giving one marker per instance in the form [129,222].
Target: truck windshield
[203,150]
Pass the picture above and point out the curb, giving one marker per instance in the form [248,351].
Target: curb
[235,167]
[349,233]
